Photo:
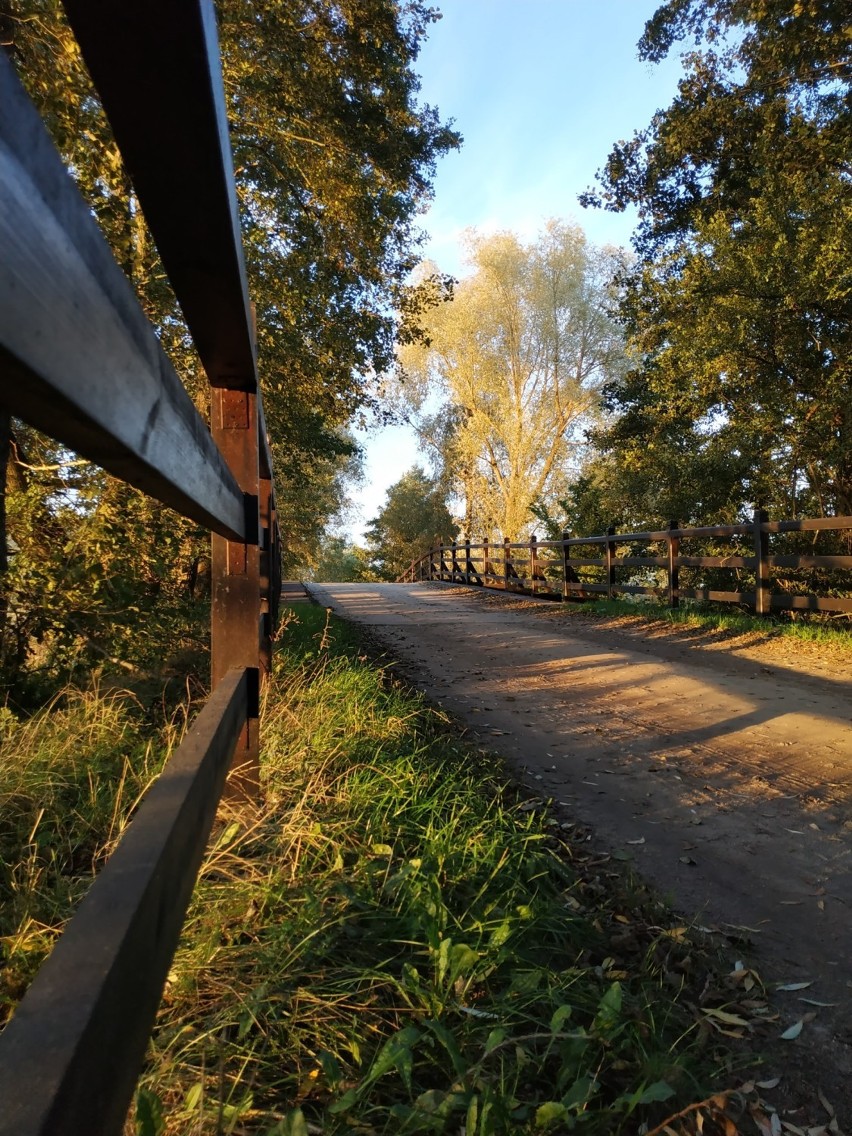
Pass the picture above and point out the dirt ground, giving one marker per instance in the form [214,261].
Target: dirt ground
[721,768]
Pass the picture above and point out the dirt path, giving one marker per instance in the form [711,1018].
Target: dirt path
[726,777]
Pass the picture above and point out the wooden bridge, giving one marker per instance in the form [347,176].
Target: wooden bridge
[568,569]
[79,361]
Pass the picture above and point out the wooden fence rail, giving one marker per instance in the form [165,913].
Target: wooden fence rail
[551,568]
[79,360]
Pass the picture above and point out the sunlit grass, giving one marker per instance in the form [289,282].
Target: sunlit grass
[70,777]
[398,944]
[395,943]
[836,633]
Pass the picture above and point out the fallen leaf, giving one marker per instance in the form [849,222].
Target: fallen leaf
[724,1016]
[814,1002]
[773,1084]
[686,860]
[793,1032]
[641,840]
[795,985]
[825,1104]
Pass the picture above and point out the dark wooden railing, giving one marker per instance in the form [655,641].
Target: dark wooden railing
[79,360]
[552,568]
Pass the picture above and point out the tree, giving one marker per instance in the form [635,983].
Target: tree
[413,519]
[739,308]
[334,160]
[515,361]
[341,561]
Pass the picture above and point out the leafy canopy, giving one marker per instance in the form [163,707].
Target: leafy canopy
[413,519]
[514,364]
[334,158]
[739,307]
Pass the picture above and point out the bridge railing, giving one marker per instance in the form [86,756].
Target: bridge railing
[79,361]
[568,569]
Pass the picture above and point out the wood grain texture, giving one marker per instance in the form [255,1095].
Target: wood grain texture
[78,358]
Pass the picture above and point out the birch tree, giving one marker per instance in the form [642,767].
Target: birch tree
[509,380]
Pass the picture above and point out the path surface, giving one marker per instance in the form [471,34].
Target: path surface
[726,779]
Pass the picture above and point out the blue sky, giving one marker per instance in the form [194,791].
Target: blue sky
[540,89]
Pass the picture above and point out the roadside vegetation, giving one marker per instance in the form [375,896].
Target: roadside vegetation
[402,942]
[834,635]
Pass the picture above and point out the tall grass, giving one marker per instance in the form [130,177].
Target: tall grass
[71,775]
[398,943]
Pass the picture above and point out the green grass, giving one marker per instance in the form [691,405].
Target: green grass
[727,620]
[398,943]
[71,775]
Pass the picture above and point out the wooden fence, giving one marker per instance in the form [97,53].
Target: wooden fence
[565,569]
[79,361]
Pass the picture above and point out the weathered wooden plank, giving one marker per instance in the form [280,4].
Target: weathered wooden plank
[762,600]
[156,67]
[716,561]
[235,635]
[843,563]
[642,561]
[264,445]
[810,603]
[78,358]
[70,1056]
[715,596]
[808,524]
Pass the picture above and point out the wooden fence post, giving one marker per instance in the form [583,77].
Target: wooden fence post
[610,564]
[486,562]
[762,600]
[505,564]
[567,570]
[533,562]
[235,616]
[267,520]
[673,548]
[468,565]
[454,561]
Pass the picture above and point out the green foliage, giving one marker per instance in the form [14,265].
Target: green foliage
[739,309]
[516,360]
[72,774]
[414,519]
[334,159]
[339,560]
[397,944]
[100,575]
